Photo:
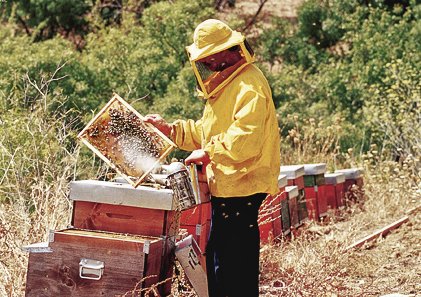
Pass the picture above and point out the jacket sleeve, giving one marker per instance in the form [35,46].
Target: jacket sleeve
[186,134]
[243,139]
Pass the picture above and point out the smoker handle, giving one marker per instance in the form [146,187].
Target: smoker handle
[91,269]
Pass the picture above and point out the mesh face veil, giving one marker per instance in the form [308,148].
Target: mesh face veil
[211,39]
[210,81]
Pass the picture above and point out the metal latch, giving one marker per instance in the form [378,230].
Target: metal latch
[91,269]
[198,229]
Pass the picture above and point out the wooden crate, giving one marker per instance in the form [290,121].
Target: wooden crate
[121,138]
[91,263]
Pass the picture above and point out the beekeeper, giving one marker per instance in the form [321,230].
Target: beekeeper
[237,141]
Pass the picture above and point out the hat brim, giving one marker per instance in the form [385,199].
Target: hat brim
[196,53]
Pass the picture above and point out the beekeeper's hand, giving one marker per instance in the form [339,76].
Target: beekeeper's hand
[159,123]
[199,157]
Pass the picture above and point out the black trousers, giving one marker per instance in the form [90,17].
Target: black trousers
[232,252]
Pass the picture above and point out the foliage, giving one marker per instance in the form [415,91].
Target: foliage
[43,19]
[394,112]
[336,58]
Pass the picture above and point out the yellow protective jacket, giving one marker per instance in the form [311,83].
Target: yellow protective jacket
[239,131]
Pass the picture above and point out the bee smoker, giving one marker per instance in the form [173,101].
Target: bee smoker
[185,184]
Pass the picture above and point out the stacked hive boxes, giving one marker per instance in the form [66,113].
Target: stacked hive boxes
[295,176]
[119,236]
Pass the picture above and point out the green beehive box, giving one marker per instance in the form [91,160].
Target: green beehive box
[314,180]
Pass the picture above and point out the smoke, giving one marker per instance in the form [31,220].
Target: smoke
[136,154]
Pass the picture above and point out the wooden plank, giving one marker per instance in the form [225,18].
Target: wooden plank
[381,232]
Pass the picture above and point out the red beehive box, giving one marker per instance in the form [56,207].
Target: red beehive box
[270,224]
[315,185]
[282,183]
[353,176]
[118,207]
[196,221]
[311,201]
[292,193]
[285,217]
[334,192]
[295,175]
[198,214]
[90,263]
[314,188]
[302,206]
[200,233]
[268,212]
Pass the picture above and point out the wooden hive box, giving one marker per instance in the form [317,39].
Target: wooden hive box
[197,222]
[270,216]
[295,175]
[314,183]
[353,176]
[198,214]
[118,207]
[90,263]
[335,190]
[292,192]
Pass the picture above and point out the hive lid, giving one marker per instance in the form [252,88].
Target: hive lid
[120,137]
[282,181]
[292,191]
[314,169]
[334,178]
[121,194]
[292,171]
[351,173]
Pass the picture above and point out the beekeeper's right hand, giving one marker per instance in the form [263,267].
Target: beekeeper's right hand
[159,123]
